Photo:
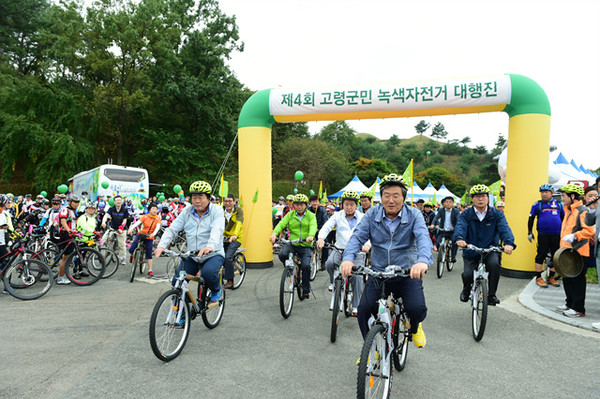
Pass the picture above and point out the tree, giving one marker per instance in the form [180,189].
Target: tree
[340,135]
[466,140]
[480,149]
[283,131]
[422,127]
[439,131]
[499,145]
[367,170]
[438,176]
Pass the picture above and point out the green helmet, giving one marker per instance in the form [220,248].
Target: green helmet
[200,187]
[479,189]
[392,179]
[350,194]
[301,198]
[290,197]
[572,188]
[366,194]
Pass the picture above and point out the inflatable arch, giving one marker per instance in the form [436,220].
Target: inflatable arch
[520,97]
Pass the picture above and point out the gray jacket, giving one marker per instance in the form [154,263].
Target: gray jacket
[594,218]
[199,232]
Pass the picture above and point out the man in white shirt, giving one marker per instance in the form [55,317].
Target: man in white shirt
[344,222]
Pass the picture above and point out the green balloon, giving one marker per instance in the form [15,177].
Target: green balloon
[62,188]
[105,185]
[299,175]
[428,152]
[111,202]
[181,195]
[274,210]
[140,206]
[43,194]
[312,192]
[177,189]
[295,191]
[161,198]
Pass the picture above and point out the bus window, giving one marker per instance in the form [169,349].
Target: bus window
[124,175]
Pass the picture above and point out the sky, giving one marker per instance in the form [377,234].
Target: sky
[326,43]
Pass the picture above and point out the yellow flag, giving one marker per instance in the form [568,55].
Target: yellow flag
[320,189]
[408,173]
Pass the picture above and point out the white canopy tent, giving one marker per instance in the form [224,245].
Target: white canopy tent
[443,192]
[354,184]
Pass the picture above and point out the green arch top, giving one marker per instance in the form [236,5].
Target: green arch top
[526,97]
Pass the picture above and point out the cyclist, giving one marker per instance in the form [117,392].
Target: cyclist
[366,200]
[150,226]
[118,216]
[234,221]
[549,215]
[344,222]
[67,220]
[301,224]
[322,217]
[87,223]
[446,218]
[428,215]
[51,214]
[204,225]
[4,223]
[166,216]
[398,237]
[280,206]
[482,226]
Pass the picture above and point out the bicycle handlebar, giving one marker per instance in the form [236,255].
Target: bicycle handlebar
[488,250]
[283,240]
[390,271]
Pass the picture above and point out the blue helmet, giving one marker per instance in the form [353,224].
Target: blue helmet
[546,187]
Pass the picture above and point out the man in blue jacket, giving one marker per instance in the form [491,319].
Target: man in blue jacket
[398,237]
[482,226]
[446,218]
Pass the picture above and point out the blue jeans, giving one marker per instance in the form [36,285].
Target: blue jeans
[230,249]
[411,292]
[210,270]
[304,253]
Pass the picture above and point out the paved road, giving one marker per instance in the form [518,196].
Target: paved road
[93,343]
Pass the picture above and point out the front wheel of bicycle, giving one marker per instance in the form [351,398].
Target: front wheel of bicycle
[479,308]
[137,258]
[449,264]
[335,317]
[440,262]
[85,266]
[212,312]
[314,265]
[111,260]
[239,270]
[168,330]
[348,298]
[286,292]
[374,375]
[28,279]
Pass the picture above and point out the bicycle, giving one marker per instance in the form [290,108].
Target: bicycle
[444,252]
[139,256]
[170,321]
[341,294]
[24,278]
[239,265]
[479,291]
[290,278]
[387,340]
[315,262]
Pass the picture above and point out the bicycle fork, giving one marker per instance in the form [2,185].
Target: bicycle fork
[479,277]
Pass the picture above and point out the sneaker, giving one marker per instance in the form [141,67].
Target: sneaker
[63,280]
[434,248]
[419,337]
[465,294]
[130,258]
[553,282]
[573,313]
[228,284]
[181,322]
[216,296]
[453,260]
[150,274]
[596,326]
[330,288]
[123,261]
[354,312]
[306,294]
[562,308]
[541,283]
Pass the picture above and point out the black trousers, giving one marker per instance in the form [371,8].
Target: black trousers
[575,290]
[492,265]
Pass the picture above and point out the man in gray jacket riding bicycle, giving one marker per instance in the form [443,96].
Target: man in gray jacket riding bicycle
[398,237]
[204,224]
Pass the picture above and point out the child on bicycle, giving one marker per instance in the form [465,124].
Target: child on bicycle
[150,226]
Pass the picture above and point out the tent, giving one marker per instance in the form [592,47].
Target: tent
[375,189]
[443,192]
[416,193]
[354,184]
[570,171]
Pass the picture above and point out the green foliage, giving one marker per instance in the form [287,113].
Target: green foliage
[438,175]
[367,170]
[480,149]
[439,131]
[433,160]
[340,135]
[453,148]
[422,127]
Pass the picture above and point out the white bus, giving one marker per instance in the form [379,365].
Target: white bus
[123,180]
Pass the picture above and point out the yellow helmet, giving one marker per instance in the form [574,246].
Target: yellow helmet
[392,179]
[350,194]
[301,198]
[479,189]
[200,187]
[572,188]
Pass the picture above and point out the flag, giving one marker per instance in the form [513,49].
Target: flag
[255,198]
[495,188]
[224,188]
[434,199]
[324,199]
[241,201]
[374,189]
[463,199]
[320,189]
[408,173]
